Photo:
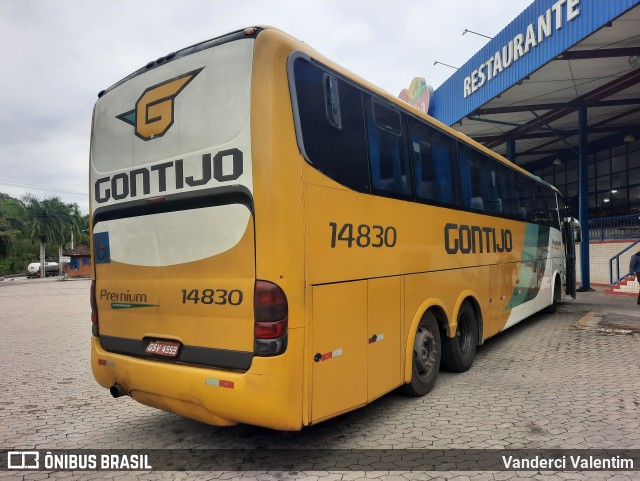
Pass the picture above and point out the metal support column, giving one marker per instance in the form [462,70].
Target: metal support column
[511,149]
[583,200]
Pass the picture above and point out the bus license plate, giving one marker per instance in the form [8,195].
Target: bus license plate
[163,348]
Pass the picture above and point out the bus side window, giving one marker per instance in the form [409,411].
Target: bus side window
[434,166]
[525,195]
[475,179]
[495,203]
[503,196]
[552,207]
[506,189]
[422,169]
[331,125]
[540,206]
[388,153]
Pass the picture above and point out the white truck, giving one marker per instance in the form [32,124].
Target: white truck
[33,269]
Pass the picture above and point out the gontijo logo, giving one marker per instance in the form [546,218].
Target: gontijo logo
[153,114]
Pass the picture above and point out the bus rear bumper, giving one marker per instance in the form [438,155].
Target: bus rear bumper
[269,394]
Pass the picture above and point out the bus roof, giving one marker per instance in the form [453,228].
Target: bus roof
[254,31]
[229,37]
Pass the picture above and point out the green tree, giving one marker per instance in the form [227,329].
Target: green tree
[50,220]
[83,238]
[12,216]
[76,226]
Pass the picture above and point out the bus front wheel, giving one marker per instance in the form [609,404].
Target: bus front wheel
[458,352]
[426,357]
[557,297]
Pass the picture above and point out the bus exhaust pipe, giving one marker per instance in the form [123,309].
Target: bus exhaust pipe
[117,390]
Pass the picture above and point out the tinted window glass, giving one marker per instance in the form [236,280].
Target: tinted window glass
[525,197]
[388,152]
[552,208]
[526,193]
[434,164]
[387,118]
[536,201]
[562,206]
[369,145]
[540,216]
[477,180]
[507,192]
[332,125]
[495,190]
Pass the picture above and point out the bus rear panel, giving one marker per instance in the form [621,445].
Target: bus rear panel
[180,321]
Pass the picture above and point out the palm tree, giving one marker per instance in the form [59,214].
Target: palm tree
[12,215]
[74,225]
[83,239]
[50,220]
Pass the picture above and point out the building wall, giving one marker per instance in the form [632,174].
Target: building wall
[614,181]
[599,254]
[78,267]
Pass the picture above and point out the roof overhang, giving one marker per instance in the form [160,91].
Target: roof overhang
[529,82]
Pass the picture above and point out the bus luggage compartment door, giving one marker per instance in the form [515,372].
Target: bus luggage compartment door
[384,321]
[339,348]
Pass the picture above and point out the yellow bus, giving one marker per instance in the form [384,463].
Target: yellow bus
[277,241]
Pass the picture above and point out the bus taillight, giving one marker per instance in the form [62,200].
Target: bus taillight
[94,309]
[271,319]
[270,330]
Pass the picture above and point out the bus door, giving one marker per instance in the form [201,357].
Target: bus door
[500,287]
[569,226]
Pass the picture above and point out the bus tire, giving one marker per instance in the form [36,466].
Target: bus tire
[459,351]
[427,351]
[557,297]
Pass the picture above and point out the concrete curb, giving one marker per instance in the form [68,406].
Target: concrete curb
[586,321]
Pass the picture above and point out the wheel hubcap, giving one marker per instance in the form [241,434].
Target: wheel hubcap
[424,352]
[464,334]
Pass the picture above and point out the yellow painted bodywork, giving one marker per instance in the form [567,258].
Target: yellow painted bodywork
[263,396]
[338,297]
[227,326]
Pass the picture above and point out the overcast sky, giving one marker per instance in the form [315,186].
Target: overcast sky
[56,55]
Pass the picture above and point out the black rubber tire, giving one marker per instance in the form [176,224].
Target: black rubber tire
[427,351]
[557,297]
[458,352]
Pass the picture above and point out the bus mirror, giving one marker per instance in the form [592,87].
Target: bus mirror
[577,236]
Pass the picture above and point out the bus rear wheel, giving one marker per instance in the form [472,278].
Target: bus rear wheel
[458,352]
[427,352]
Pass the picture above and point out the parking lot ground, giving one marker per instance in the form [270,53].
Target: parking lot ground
[539,385]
